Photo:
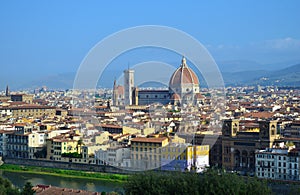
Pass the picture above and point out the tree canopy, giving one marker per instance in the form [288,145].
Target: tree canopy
[211,182]
[27,189]
[6,188]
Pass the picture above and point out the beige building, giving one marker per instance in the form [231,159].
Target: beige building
[32,110]
[102,137]
[146,152]
[37,144]
[28,98]
[27,110]
[144,131]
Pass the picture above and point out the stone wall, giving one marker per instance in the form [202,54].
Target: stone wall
[64,165]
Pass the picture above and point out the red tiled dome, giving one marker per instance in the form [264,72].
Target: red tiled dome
[183,75]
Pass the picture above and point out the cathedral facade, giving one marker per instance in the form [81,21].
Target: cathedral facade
[184,88]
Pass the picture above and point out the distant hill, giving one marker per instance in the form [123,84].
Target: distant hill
[289,76]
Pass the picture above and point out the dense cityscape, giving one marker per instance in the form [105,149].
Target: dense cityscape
[125,129]
[149,97]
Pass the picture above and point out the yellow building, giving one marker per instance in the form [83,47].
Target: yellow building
[185,157]
[102,137]
[146,131]
[146,152]
[62,144]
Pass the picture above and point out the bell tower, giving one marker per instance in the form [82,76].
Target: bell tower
[230,127]
[267,133]
[128,86]
[115,94]
[7,91]
[268,130]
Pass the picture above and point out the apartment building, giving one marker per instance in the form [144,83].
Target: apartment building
[63,143]
[281,163]
[115,156]
[146,152]
[3,141]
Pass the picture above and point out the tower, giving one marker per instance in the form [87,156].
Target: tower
[230,127]
[7,91]
[128,86]
[115,94]
[135,96]
[268,133]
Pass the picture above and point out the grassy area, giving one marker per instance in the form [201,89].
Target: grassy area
[65,173]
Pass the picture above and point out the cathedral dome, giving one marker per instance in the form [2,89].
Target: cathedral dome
[183,75]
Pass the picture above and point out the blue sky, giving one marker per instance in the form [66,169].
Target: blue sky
[41,38]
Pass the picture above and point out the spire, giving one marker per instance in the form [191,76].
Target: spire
[183,62]
[115,84]
[115,93]
[7,91]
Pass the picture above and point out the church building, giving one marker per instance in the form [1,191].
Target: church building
[184,88]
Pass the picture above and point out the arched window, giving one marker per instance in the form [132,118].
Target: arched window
[273,129]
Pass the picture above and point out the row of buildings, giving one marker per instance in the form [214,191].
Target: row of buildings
[239,150]
[103,148]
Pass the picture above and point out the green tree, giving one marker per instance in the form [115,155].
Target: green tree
[27,189]
[212,181]
[6,188]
